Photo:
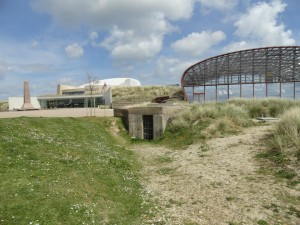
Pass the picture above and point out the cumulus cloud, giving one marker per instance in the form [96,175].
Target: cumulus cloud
[93,35]
[260,26]
[74,50]
[145,21]
[172,68]
[106,13]
[196,44]
[219,4]
[127,45]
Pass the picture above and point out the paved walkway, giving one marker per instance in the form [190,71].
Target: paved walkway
[74,112]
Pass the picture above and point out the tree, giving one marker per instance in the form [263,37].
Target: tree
[90,88]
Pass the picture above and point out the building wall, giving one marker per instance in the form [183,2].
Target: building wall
[17,102]
[61,87]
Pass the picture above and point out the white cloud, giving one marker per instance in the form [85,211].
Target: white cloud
[93,35]
[196,44]
[240,45]
[219,4]
[127,45]
[74,50]
[260,27]
[145,21]
[171,68]
[107,13]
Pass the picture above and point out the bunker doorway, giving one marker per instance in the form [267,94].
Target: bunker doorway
[148,127]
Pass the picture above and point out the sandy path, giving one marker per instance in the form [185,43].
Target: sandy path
[216,183]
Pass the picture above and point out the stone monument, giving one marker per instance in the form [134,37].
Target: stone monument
[27,101]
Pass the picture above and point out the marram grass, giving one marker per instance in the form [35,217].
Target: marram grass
[199,122]
[286,137]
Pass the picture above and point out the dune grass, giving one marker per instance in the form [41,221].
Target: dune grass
[66,171]
[268,107]
[287,133]
[199,122]
[143,94]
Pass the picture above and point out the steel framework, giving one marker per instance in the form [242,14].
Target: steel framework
[265,66]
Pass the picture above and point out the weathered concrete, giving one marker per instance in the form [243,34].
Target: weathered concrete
[133,118]
[73,112]
[27,101]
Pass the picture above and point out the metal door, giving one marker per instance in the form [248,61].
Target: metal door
[148,127]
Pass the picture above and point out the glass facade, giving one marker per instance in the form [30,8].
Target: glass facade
[254,73]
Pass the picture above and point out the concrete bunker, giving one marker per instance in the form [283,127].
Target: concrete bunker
[147,122]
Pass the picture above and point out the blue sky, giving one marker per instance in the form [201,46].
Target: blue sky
[50,42]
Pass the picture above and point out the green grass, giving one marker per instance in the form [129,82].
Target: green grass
[66,171]
[199,122]
[262,222]
[283,147]
[144,94]
[163,159]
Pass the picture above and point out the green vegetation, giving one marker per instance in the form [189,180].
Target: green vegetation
[204,121]
[284,146]
[3,106]
[270,107]
[163,159]
[262,222]
[66,171]
[144,94]
[287,133]
[199,122]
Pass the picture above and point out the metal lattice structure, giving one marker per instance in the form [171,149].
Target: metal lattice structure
[242,70]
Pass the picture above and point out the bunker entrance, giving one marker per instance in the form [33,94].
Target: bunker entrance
[148,127]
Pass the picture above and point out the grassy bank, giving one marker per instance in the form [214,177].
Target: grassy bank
[199,122]
[144,94]
[66,171]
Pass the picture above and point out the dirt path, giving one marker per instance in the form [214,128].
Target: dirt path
[217,183]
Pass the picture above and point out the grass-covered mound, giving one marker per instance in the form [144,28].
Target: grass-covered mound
[66,171]
[144,94]
[204,121]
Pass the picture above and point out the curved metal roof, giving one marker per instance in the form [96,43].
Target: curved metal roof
[273,64]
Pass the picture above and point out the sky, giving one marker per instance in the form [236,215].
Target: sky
[50,42]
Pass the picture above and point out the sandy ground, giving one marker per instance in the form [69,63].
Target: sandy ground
[217,183]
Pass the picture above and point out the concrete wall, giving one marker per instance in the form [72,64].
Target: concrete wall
[133,118]
[17,102]
[158,129]
[74,112]
[136,125]
[108,97]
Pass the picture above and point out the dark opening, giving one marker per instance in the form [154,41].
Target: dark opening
[148,127]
